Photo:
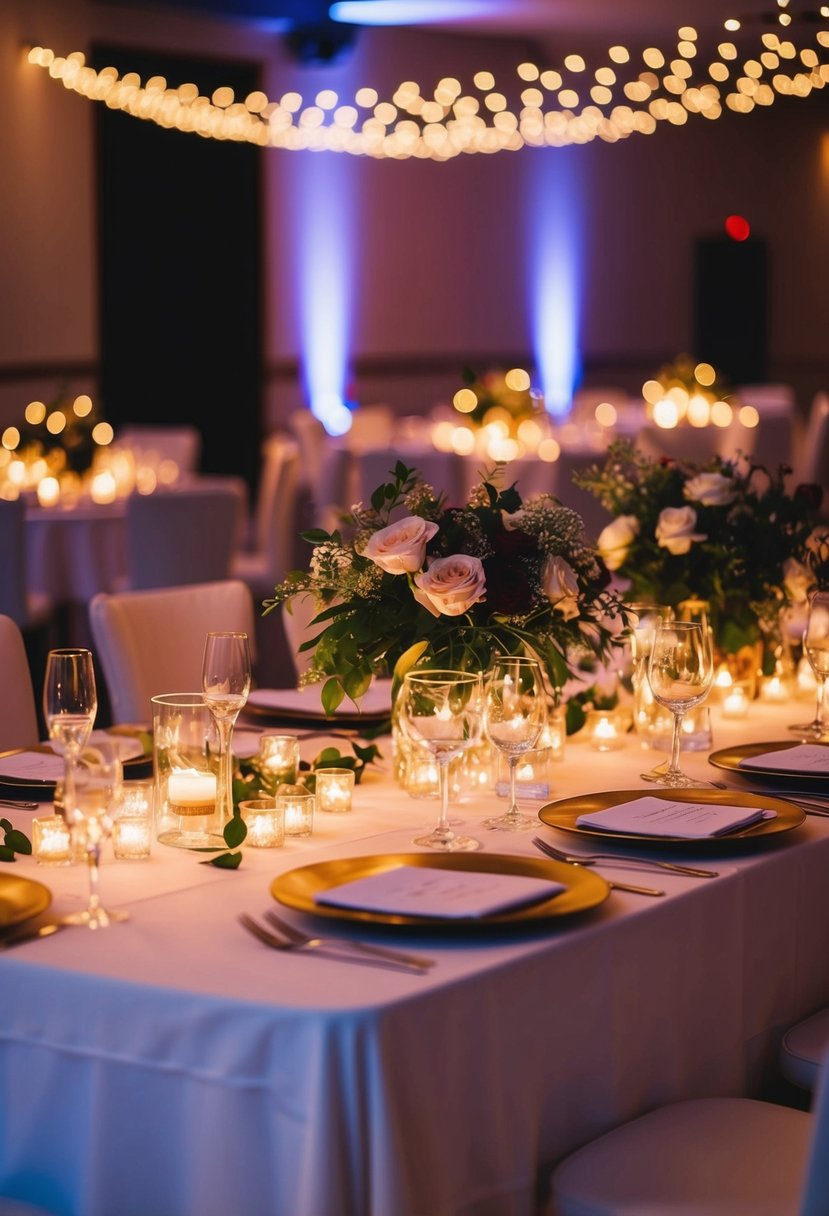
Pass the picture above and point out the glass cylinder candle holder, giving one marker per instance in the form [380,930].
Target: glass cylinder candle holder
[297,805]
[279,758]
[132,828]
[52,841]
[186,765]
[265,821]
[605,730]
[334,789]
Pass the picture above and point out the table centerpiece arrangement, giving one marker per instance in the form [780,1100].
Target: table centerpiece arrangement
[727,534]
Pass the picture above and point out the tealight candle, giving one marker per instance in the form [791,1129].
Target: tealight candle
[132,829]
[52,841]
[774,689]
[265,821]
[334,789]
[297,805]
[735,702]
[279,757]
[604,731]
[191,791]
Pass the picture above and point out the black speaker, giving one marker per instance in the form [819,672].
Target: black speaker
[731,307]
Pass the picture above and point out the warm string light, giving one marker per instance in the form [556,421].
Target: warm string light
[574,104]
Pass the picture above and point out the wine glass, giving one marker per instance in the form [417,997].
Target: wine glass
[89,807]
[70,703]
[226,684]
[816,649]
[680,672]
[444,710]
[642,621]
[515,714]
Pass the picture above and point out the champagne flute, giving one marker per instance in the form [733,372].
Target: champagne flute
[89,808]
[515,715]
[226,684]
[816,649]
[444,709]
[680,672]
[70,703]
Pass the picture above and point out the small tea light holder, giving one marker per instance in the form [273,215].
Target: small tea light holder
[52,841]
[735,702]
[297,805]
[279,758]
[554,735]
[265,821]
[334,789]
[775,688]
[605,731]
[132,829]
[532,777]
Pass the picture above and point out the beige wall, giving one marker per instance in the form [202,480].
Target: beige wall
[440,253]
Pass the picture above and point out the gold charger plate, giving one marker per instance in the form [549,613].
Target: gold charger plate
[584,889]
[729,759]
[21,899]
[564,813]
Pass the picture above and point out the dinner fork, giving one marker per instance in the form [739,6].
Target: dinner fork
[347,943]
[650,863]
[614,886]
[325,950]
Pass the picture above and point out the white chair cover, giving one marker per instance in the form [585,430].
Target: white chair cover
[181,444]
[151,642]
[275,519]
[18,716]
[186,535]
[803,1047]
[27,608]
[296,623]
[311,436]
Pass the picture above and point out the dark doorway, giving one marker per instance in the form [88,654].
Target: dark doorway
[731,307]
[179,263]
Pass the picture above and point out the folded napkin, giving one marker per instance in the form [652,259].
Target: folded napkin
[804,758]
[454,894]
[650,816]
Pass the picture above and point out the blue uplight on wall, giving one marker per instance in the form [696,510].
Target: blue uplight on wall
[554,258]
[324,286]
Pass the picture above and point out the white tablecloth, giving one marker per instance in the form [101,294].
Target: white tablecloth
[173,1066]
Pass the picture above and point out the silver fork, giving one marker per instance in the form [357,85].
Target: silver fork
[347,943]
[615,886]
[640,863]
[325,951]
[812,805]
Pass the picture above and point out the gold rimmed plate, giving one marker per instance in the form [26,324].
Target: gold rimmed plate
[583,888]
[730,759]
[564,813]
[21,899]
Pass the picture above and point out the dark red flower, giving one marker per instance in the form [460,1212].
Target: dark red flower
[507,586]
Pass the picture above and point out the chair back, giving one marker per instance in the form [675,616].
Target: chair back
[151,642]
[276,504]
[181,444]
[18,716]
[296,621]
[181,536]
[814,462]
[13,597]
[311,436]
[814,1200]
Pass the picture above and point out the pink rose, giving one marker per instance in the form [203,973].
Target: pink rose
[401,547]
[452,584]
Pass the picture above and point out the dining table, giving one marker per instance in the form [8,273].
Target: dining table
[174,1065]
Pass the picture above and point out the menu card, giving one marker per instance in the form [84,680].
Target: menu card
[650,816]
[803,758]
[454,894]
[32,766]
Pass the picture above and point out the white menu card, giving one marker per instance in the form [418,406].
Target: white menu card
[650,816]
[32,766]
[454,894]
[802,758]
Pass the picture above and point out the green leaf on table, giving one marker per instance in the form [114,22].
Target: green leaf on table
[6,854]
[18,841]
[225,861]
[6,825]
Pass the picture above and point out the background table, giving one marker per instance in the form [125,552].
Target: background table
[174,1066]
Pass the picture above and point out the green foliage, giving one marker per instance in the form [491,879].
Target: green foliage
[14,842]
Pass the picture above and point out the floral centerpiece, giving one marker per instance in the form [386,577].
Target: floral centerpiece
[421,581]
[726,531]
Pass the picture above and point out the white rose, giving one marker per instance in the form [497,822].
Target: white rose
[675,529]
[797,579]
[453,584]
[401,547]
[711,489]
[615,540]
[561,587]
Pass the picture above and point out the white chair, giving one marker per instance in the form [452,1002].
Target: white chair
[150,642]
[29,609]
[18,716]
[338,488]
[181,444]
[811,463]
[703,1157]
[186,535]
[802,1048]
[311,436]
[296,621]
[275,519]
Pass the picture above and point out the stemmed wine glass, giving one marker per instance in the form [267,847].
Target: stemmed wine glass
[98,780]
[680,671]
[226,684]
[515,715]
[444,710]
[70,703]
[816,649]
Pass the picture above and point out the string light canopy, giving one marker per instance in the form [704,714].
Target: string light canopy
[753,62]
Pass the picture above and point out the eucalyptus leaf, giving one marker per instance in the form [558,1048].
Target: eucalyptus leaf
[6,854]
[331,695]
[225,861]
[18,841]
[234,831]
[6,825]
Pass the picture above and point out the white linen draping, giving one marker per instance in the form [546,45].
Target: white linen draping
[174,1066]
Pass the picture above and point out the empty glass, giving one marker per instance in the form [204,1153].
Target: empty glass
[680,671]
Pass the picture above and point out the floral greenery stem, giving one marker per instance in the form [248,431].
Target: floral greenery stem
[14,842]
[234,832]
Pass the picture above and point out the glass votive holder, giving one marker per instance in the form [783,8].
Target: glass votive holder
[279,757]
[776,688]
[554,735]
[52,841]
[297,805]
[334,789]
[605,730]
[735,701]
[132,827]
[532,775]
[265,821]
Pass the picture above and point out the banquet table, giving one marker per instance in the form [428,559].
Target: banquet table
[174,1066]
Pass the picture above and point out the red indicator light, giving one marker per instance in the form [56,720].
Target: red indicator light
[738,228]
